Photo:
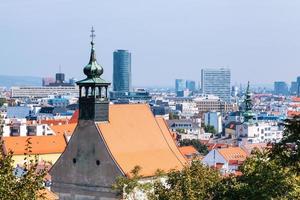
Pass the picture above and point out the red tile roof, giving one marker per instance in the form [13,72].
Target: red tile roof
[50,144]
[135,137]
[188,150]
[233,153]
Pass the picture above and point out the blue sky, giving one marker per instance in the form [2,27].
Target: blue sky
[259,40]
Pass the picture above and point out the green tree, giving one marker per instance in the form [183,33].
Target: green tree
[173,116]
[287,152]
[180,130]
[201,148]
[262,178]
[2,101]
[194,182]
[29,184]
[127,185]
[210,129]
[272,174]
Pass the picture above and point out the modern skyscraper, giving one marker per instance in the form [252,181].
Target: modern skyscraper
[60,77]
[298,86]
[281,88]
[180,85]
[191,85]
[216,81]
[293,88]
[122,71]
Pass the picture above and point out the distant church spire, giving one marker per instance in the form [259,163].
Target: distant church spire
[93,95]
[248,114]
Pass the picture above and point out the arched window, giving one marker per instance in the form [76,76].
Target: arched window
[97,93]
[103,92]
[82,91]
[86,91]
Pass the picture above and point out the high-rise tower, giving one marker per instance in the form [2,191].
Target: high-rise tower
[122,71]
[216,82]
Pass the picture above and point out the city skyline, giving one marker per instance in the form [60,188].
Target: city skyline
[165,44]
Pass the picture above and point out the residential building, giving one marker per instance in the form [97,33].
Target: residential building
[58,101]
[186,129]
[122,71]
[187,109]
[214,119]
[190,152]
[227,160]
[46,148]
[216,81]
[208,103]
[230,129]
[281,88]
[20,127]
[260,132]
[42,92]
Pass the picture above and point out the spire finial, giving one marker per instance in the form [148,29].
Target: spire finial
[92,36]
[248,87]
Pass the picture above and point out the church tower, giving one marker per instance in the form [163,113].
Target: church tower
[248,113]
[93,100]
[86,170]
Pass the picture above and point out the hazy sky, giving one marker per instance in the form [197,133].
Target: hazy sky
[259,40]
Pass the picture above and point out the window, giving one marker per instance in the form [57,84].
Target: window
[97,162]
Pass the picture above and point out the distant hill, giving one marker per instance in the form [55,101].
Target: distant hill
[8,81]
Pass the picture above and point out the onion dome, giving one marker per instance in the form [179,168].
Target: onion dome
[93,69]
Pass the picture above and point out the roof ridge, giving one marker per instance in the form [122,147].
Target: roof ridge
[168,142]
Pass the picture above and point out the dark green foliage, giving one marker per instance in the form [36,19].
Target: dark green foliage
[125,186]
[173,116]
[287,152]
[201,148]
[2,101]
[29,185]
[261,178]
[180,130]
[269,175]
[210,129]
[194,182]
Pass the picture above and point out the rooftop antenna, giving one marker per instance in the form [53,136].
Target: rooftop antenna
[59,68]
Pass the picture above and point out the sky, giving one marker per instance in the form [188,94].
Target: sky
[259,40]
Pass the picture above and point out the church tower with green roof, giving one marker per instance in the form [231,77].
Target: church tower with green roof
[93,91]
[248,113]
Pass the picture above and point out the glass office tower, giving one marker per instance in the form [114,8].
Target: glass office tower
[122,71]
[281,88]
[180,85]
